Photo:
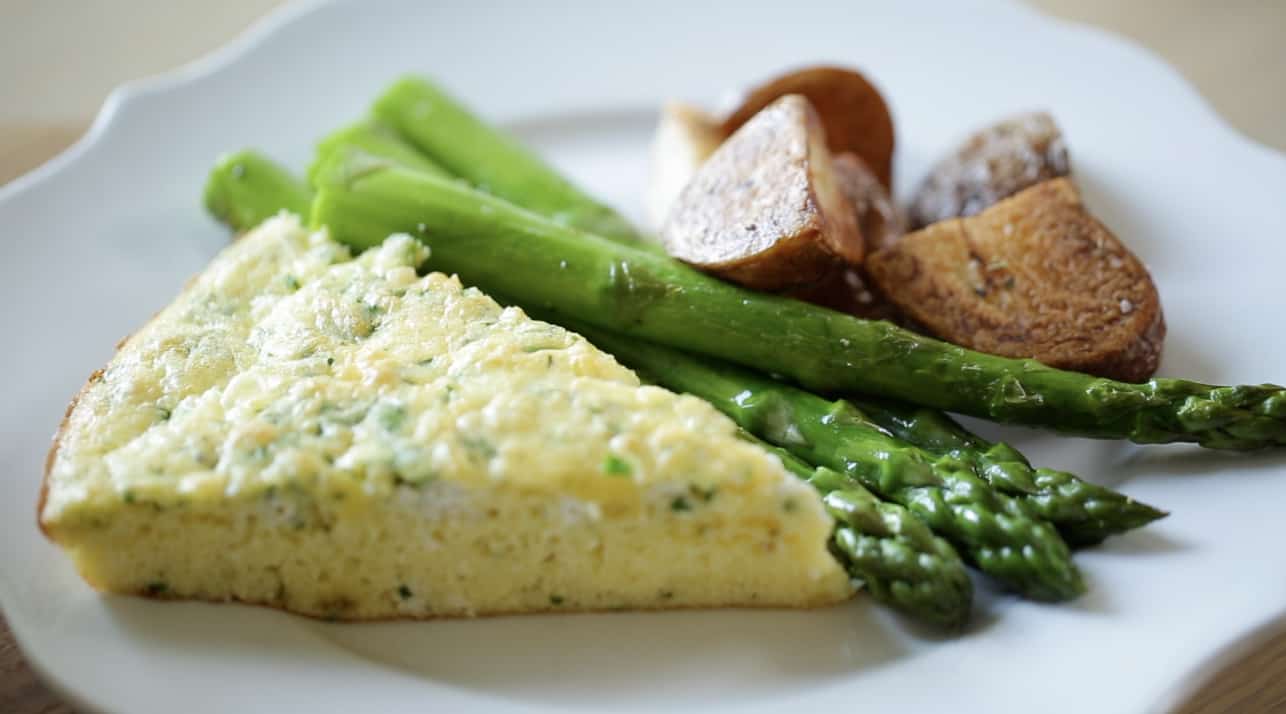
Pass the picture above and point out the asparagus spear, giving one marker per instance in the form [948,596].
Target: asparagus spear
[246,187]
[377,139]
[896,556]
[505,249]
[467,147]
[1085,513]
[991,529]
[899,560]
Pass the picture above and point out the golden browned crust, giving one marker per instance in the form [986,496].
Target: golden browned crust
[71,407]
[765,210]
[852,110]
[1033,276]
[57,442]
[62,426]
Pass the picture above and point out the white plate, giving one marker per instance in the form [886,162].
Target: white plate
[104,235]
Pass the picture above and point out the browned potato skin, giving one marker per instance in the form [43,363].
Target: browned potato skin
[854,113]
[992,164]
[765,210]
[1036,276]
[878,217]
[846,289]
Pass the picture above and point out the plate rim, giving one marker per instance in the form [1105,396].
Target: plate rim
[262,30]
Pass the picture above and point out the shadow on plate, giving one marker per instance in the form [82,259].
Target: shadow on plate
[569,661]
[1186,460]
[1144,541]
[584,660]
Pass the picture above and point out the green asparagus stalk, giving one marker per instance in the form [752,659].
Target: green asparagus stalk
[245,188]
[467,147]
[990,529]
[377,139]
[898,559]
[1085,513]
[508,250]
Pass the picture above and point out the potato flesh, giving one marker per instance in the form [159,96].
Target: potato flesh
[685,137]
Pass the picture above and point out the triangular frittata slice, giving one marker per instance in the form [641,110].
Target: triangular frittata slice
[343,437]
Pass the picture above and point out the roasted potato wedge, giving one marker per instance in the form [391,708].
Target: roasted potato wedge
[1036,276]
[854,113]
[765,210]
[990,165]
[685,137]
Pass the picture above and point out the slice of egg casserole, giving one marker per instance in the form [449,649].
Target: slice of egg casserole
[345,438]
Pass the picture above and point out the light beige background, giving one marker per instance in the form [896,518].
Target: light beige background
[60,58]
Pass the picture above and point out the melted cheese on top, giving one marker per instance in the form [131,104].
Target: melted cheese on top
[290,364]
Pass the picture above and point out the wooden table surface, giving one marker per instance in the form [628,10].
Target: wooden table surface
[1234,52]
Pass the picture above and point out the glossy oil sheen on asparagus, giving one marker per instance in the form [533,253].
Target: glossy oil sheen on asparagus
[506,249]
